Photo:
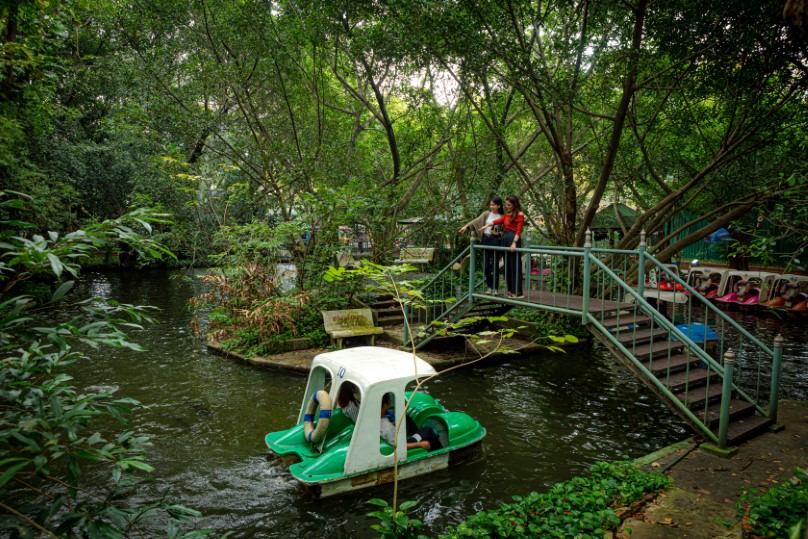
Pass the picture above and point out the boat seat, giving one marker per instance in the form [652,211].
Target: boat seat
[438,424]
[339,438]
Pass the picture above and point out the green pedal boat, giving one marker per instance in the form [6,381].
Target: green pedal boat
[337,444]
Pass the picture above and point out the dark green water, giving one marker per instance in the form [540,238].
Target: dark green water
[549,416]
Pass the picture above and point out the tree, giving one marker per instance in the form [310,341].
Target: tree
[610,92]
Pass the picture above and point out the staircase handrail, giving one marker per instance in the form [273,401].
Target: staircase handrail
[649,309]
[715,310]
[697,350]
[425,287]
[662,321]
[448,267]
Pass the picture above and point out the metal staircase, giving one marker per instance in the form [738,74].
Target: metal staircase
[725,389]
[448,299]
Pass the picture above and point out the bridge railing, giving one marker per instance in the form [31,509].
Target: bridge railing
[555,279]
[755,361]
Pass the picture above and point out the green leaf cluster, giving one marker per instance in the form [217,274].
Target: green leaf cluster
[397,523]
[583,507]
[48,435]
[780,511]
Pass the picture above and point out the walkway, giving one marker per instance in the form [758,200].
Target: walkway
[706,488]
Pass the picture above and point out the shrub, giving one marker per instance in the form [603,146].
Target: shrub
[49,439]
[777,512]
[582,507]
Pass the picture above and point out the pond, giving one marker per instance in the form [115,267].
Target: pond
[549,416]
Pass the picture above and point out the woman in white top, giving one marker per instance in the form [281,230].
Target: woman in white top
[491,237]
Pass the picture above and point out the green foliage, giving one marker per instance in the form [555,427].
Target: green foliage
[780,511]
[48,439]
[397,523]
[249,311]
[584,507]
[549,326]
[254,243]
[780,238]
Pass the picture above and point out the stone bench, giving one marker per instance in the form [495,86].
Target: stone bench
[417,256]
[345,260]
[350,323]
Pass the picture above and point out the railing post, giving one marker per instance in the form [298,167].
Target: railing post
[777,362]
[472,269]
[641,265]
[587,277]
[726,397]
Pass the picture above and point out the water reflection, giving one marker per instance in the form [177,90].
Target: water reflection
[549,416]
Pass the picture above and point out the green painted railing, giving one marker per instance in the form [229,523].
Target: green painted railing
[556,278]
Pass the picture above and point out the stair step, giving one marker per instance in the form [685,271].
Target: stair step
[657,350]
[385,304]
[661,366]
[625,320]
[610,308]
[641,335]
[746,428]
[737,409]
[697,396]
[391,321]
[386,311]
[694,377]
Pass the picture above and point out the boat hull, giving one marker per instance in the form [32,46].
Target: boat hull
[406,470]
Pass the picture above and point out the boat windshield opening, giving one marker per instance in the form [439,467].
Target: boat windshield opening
[349,397]
[387,421]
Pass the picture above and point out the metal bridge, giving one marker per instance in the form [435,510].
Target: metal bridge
[725,389]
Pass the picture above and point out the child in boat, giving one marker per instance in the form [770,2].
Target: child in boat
[348,400]
[425,438]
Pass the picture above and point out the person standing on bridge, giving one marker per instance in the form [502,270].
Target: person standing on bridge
[491,238]
[513,222]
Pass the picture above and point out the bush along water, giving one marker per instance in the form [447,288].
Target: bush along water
[49,442]
[249,306]
[583,507]
[780,511]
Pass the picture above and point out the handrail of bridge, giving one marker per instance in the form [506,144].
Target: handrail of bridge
[715,310]
[681,336]
[564,279]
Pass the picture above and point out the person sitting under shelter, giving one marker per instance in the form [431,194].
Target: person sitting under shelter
[425,437]
[348,400]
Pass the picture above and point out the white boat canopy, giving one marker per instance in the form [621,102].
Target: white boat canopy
[369,365]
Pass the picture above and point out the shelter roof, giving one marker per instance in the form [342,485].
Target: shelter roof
[606,218]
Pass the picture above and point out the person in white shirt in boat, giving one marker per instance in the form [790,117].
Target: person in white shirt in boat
[425,437]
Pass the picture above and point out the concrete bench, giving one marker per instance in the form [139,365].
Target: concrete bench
[345,260]
[416,256]
[350,323]
[462,266]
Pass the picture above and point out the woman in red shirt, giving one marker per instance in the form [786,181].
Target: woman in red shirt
[513,222]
